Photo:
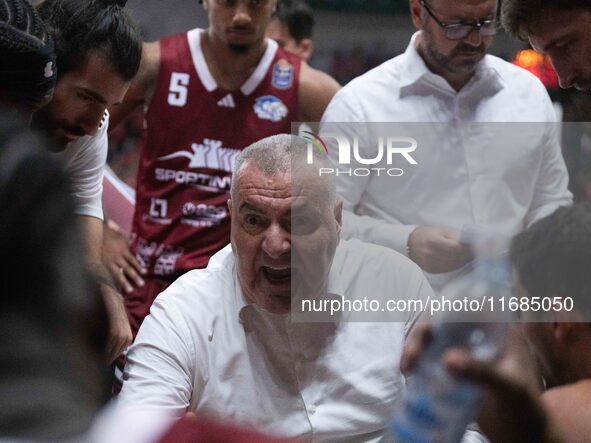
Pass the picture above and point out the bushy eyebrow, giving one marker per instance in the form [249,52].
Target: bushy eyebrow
[95,95]
[246,206]
[553,42]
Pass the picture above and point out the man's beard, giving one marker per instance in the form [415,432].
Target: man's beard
[43,121]
[447,61]
[239,49]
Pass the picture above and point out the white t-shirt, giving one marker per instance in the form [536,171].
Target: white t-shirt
[85,159]
[203,349]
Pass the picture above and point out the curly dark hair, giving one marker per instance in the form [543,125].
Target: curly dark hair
[553,256]
[518,15]
[83,27]
[27,57]
[298,17]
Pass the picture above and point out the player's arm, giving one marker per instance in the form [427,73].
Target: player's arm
[119,329]
[315,93]
[142,87]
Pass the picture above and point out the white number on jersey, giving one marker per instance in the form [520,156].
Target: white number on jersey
[178,89]
[158,208]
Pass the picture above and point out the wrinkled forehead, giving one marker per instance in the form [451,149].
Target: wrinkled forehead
[299,183]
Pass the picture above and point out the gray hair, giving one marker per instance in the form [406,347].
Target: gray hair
[283,153]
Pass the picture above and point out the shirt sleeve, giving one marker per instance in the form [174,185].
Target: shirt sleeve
[551,188]
[86,170]
[474,437]
[343,109]
[160,364]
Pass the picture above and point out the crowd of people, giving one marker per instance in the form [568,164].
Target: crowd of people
[196,315]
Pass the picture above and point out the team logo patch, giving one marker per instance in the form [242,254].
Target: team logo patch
[282,74]
[270,107]
[48,70]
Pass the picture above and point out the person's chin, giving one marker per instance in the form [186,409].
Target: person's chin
[239,48]
[584,86]
[464,66]
[61,141]
[276,303]
[277,299]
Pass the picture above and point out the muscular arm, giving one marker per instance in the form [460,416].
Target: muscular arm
[315,93]
[119,329]
[142,87]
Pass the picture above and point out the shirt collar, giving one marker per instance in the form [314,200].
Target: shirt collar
[415,74]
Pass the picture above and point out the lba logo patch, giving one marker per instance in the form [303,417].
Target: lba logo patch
[269,107]
[282,74]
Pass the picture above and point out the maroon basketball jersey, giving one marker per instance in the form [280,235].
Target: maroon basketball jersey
[193,132]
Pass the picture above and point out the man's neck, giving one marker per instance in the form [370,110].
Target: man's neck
[230,68]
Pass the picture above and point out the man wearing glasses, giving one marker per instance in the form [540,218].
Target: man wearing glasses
[461,182]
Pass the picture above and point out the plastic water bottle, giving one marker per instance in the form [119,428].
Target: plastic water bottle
[437,407]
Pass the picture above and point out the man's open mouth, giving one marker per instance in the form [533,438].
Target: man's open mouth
[276,274]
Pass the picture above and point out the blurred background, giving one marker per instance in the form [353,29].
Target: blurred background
[351,37]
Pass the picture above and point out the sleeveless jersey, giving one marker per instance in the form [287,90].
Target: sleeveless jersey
[193,132]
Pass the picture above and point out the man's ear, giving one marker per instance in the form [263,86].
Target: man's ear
[205,4]
[229,202]
[415,13]
[306,48]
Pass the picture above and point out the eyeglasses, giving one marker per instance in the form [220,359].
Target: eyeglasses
[458,31]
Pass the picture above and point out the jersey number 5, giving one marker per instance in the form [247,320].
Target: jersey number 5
[178,89]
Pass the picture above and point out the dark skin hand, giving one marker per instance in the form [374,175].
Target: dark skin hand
[510,410]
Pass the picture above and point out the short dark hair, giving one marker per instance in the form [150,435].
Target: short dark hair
[553,256]
[27,56]
[298,17]
[518,15]
[84,27]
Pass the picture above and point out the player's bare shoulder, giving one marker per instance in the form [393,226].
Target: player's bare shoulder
[146,79]
[315,92]
[142,86]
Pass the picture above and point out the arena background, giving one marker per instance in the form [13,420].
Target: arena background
[349,40]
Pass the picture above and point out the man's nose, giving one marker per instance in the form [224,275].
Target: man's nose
[277,241]
[92,120]
[566,73]
[242,14]
[474,38]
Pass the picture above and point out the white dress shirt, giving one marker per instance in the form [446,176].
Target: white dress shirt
[85,160]
[462,177]
[204,349]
